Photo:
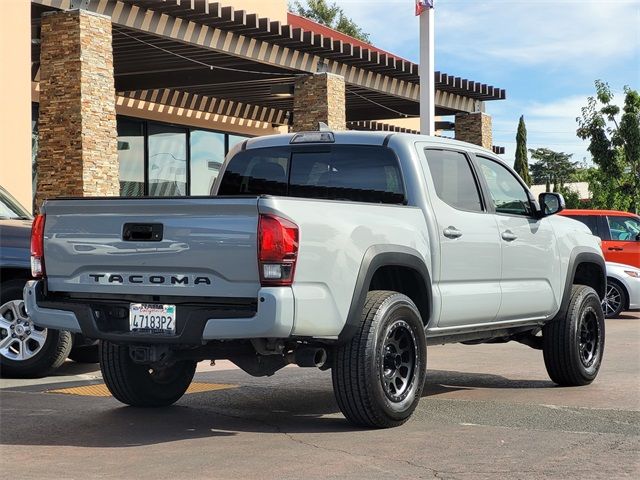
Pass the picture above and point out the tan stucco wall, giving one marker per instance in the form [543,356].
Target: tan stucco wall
[15,99]
[272,9]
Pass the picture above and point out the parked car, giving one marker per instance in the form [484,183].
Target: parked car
[27,350]
[623,289]
[619,231]
[348,251]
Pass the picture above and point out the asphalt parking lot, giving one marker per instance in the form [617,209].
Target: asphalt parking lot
[488,411]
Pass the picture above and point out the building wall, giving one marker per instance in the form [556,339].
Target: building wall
[15,98]
[272,9]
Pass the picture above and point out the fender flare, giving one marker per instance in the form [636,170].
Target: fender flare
[375,257]
[576,259]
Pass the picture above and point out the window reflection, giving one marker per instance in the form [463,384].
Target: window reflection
[131,158]
[207,155]
[167,161]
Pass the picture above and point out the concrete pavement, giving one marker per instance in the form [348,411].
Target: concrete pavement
[488,411]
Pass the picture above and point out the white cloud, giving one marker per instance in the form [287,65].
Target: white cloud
[545,53]
[551,124]
[584,34]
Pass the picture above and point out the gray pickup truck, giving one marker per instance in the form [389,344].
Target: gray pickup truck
[349,251]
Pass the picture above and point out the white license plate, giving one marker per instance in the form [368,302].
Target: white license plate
[152,318]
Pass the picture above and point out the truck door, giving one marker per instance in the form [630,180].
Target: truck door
[530,264]
[468,279]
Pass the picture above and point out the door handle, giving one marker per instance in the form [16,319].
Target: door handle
[509,236]
[452,232]
[617,249]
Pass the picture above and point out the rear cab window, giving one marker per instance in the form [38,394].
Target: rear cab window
[360,173]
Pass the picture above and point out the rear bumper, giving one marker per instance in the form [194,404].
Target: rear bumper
[273,318]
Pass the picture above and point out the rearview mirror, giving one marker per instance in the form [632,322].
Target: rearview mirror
[550,203]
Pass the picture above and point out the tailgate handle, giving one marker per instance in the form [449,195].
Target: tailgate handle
[142,232]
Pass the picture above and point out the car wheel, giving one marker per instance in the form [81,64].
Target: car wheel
[615,300]
[27,350]
[141,385]
[379,374]
[573,344]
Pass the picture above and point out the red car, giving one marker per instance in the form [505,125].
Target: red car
[619,231]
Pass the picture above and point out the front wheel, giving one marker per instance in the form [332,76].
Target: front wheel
[140,385]
[573,343]
[379,374]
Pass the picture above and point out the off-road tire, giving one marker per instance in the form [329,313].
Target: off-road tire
[360,384]
[53,353]
[573,343]
[138,385]
[85,354]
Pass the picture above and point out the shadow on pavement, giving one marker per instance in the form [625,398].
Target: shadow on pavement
[267,407]
[439,381]
[73,368]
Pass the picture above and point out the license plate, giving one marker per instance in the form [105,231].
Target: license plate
[152,318]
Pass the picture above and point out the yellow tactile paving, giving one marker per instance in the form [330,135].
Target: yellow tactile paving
[101,389]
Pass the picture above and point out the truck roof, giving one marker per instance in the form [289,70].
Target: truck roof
[365,138]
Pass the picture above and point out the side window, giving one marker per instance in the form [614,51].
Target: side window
[590,221]
[624,228]
[453,179]
[507,193]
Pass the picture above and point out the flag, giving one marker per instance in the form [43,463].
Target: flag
[422,5]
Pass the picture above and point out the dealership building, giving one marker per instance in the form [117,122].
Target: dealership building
[136,98]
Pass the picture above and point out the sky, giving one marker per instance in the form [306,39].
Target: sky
[546,54]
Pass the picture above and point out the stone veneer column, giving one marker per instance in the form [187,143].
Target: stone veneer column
[319,98]
[474,128]
[77,153]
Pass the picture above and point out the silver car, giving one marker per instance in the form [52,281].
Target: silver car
[623,289]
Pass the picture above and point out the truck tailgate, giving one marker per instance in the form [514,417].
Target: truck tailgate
[204,247]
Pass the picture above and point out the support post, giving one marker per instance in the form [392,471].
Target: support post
[427,72]
[78,153]
[319,98]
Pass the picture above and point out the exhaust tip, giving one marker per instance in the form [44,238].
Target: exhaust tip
[309,357]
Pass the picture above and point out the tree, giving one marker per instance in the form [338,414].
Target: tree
[521,164]
[330,15]
[552,168]
[614,144]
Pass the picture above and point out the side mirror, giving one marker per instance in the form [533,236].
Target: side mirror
[550,203]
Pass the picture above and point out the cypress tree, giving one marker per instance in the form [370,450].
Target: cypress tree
[521,165]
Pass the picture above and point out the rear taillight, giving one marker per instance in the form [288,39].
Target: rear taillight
[37,247]
[277,250]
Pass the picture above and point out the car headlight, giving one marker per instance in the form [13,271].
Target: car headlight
[633,273]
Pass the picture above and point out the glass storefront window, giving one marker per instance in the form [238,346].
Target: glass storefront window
[35,110]
[167,160]
[131,157]
[207,154]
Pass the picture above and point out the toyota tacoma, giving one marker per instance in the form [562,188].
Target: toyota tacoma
[350,251]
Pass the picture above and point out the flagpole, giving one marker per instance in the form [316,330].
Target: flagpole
[427,76]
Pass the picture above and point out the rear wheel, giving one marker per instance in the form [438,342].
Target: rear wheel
[615,299]
[378,376]
[573,344]
[27,350]
[140,385]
